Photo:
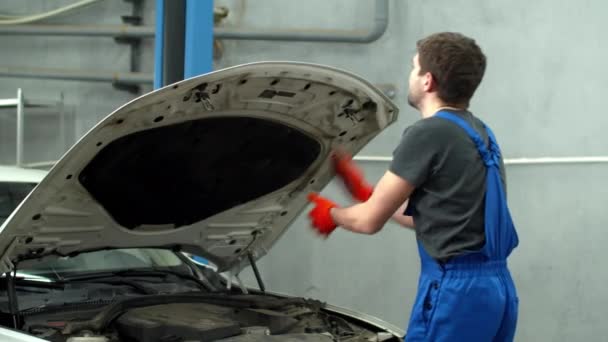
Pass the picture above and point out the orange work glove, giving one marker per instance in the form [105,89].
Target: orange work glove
[320,215]
[352,176]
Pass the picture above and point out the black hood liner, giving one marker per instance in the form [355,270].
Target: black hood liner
[184,173]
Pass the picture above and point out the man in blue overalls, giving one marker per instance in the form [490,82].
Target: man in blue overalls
[446,182]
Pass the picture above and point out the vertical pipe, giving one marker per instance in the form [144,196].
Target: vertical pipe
[198,44]
[135,44]
[198,57]
[20,129]
[174,40]
[158,44]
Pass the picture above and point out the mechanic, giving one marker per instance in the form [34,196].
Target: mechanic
[447,182]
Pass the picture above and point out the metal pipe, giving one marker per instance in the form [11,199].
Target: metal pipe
[11,294]
[79,30]
[159,44]
[557,160]
[337,36]
[513,161]
[20,129]
[298,35]
[174,31]
[198,46]
[105,76]
[256,272]
[8,102]
[16,20]
[77,75]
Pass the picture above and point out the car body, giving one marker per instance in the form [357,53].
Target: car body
[216,166]
[9,335]
[15,184]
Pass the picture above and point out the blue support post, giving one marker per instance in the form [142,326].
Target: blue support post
[158,44]
[170,31]
[197,44]
[198,57]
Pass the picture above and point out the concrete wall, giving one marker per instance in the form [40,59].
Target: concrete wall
[85,103]
[542,95]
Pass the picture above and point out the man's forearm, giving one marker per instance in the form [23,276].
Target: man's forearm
[355,219]
[370,216]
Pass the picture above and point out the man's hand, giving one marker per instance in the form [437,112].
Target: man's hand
[352,176]
[320,215]
[400,217]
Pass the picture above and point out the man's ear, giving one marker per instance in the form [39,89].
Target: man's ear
[429,83]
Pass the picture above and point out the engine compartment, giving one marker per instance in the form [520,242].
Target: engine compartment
[247,318]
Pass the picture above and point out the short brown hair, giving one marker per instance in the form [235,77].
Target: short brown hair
[456,63]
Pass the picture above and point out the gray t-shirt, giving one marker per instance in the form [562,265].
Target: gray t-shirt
[441,161]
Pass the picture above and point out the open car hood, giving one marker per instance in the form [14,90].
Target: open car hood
[217,165]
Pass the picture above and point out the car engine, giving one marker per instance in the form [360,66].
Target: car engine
[249,318]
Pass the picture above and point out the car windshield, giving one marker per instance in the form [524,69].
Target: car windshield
[114,260]
[11,194]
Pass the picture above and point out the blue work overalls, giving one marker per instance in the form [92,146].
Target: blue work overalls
[471,297]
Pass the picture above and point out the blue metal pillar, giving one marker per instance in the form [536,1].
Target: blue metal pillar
[158,44]
[188,44]
[170,49]
[198,58]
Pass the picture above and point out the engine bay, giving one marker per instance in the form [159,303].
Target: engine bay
[231,318]
[170,300]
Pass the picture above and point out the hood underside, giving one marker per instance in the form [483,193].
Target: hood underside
[196,169]
[217,165]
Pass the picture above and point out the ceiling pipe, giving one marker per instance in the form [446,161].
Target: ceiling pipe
[77,75]
[122,78]
[380,24]
[79,30]
[508,161]
[513,161]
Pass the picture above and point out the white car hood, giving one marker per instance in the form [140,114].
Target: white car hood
[217,165]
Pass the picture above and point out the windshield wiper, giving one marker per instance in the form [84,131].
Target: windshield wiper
[21,281]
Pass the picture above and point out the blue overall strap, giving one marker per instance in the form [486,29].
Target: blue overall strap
[500,233]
